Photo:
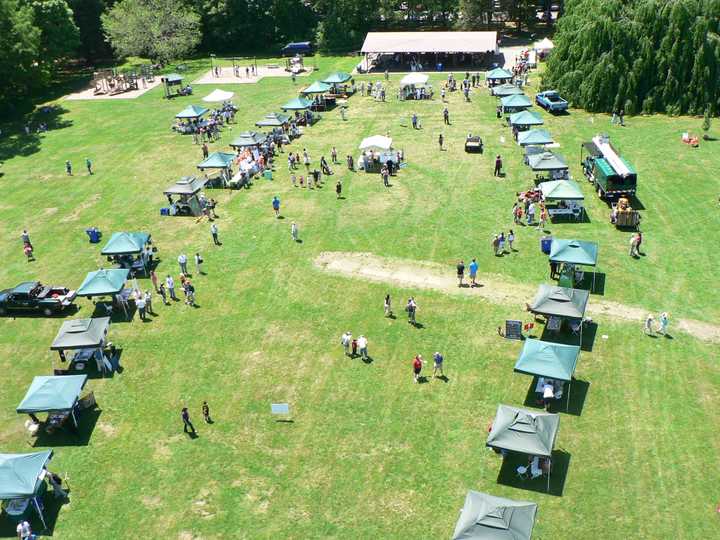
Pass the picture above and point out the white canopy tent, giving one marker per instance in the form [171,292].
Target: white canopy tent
[430,42]
[376,142]
[414,79]
[218,96]
[544,45]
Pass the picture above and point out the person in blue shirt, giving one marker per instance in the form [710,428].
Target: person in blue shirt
[276,206]
[438,364]
[473,273]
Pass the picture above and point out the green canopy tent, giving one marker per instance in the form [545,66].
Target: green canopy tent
[219,160]
[516,101]
[561,190]
[85,335]
[22,476]
[273,120]
[534,137]
[248,139]
[561,302]
[104,282]
[547,161]
[575,252]
[318,87]
[550,360]
[338,77]
[190,112]
[498,74]
[126,243]
[524,431]
[297,104]
[53,394]
[486,517]
[526,118]
[187,188]
[506,89]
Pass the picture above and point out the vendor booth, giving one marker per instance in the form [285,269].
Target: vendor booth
[172,86]
[524,119]
[552,363]
[543,48]
[221,163]
[415,86]
[129,250]
[507,89]
[320,92]
[109,282]
[337,80]
[218,96]
[485,517]
[569,254]
[558,304]
[526,432]
[189,202]
[515,103]
[376,152]
[548,163]
[563,197]
[298,104]
[56,395]
[191,112]
[86,339]
[248,139]
[498,76]
[534,137]
[22,484]
[274,120]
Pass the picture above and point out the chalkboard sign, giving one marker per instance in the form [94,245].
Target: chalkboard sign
[513,329]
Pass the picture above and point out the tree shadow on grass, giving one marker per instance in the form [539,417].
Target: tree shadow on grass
[15,142]
[560,466]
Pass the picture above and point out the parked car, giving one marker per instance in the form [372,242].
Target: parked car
[551,101]
[34,296]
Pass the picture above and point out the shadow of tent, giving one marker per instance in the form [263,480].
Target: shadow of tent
[598,287]
[566,337]
[51,511]
[91,369]
[67,436]
[560,465]
[578,393]
[32,314]
[118,315]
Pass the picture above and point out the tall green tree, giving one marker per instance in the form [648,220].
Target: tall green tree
[474,14]
[162,30]
[59,36]
[87,13]
[20,47]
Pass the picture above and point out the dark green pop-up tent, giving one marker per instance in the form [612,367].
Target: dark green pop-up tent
[318,87]
[498,74]
[217,160]
[21,477]
[485,517]
[561,190]
[576,252]
[562,302]
[547,161]
[337,77]
[506,89]
[297,104]
[524,431]
[81,334]
[248,139]
[126,243]
[550,360]
[516,101]
[526,118]
[273,120]
[537,137]
[57,393]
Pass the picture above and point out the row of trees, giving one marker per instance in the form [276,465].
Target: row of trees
[638,55]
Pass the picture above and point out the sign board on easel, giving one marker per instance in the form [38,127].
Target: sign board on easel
[513,329]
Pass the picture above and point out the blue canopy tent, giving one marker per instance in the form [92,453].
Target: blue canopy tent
[550,360]
[22,476]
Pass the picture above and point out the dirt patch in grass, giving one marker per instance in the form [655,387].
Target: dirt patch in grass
[494,289]
[108,429]
[152,502]
[75,214]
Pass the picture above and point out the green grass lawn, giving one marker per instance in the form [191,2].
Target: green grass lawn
[370,454]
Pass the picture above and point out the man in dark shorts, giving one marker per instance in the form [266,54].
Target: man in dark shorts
[440,141]
[417,367]
[185,415]
[460,273]
[338,189]
[498,166]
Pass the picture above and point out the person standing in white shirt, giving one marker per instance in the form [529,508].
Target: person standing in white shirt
[345,340]
[198,263]
[182,262]
[214,233]
[24,531]
[170,284]
[362,345]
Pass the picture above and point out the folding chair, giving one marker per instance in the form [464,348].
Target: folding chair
[522,472]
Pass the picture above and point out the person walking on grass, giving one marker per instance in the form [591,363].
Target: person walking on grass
[345,341]
[543,217]
[148,302]
[338,189]
[189,293]
[353,346]
[460,273]
[25,238]
[333,155]
[441,140]
[154,280]
[387,306]
[417,367]
[362,345]
[140,304]
[634,251]
[182,263]
[438,364]
[276,206]
[214,232]
[473,273]
[88,166]
[411,309]
[648,328]
[446,116]
[414,120]
[187,424]
[206,412]
[531,213]
[294,231]
[68,167]
[510,240]
[163,294]
[198,264]
[498,166]
[664,321]
[170,284]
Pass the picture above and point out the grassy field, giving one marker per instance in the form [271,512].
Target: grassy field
[369,455]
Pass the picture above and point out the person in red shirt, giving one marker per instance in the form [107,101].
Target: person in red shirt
[417,367]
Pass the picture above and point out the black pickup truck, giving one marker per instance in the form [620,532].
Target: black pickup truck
[34,296]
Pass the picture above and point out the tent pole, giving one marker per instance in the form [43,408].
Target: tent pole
[72,413]
[39,511]
[569,389]
[549,467]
